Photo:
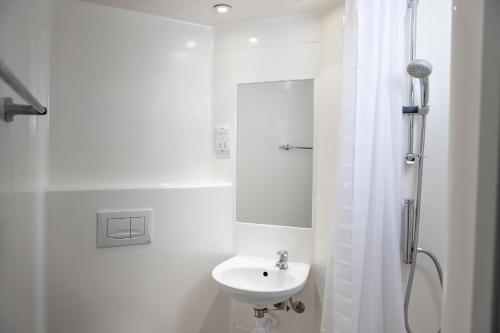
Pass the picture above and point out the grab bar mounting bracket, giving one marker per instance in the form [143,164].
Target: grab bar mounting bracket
[10,109]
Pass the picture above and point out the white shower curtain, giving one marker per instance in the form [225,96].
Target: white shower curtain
[363,292]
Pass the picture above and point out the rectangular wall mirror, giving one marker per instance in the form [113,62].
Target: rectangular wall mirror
[274,168]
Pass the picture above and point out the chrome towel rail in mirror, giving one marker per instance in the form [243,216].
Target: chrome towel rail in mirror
[289,147]
[10,109]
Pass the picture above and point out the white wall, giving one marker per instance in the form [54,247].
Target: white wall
[131,128]
[473,178]
[131,98]
[433,44]
[326,131]
[289,48]
[485,316]
[126,90]
[165,286]
[25,47]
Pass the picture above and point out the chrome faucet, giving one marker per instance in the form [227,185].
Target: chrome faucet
[282,263]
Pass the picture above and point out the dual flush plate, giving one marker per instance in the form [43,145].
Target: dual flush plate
[122,228]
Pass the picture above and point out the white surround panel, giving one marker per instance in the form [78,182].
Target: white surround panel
[433,44]
[131,98]
[25,31]
[288,49]
[164,286]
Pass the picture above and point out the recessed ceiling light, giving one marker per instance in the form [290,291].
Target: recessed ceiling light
[253,40]
[222,8]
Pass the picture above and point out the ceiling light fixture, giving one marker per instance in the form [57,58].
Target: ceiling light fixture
[253,40]
[222,8]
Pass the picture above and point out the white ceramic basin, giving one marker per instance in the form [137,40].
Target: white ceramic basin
[257,281]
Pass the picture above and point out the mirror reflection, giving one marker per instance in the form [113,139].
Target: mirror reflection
[274,171]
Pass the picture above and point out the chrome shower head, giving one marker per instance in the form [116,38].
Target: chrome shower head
[421,69]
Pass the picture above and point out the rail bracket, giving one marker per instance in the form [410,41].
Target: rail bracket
[11,109]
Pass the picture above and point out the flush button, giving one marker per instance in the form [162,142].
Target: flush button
[118,228]
[124,227]
[137,226]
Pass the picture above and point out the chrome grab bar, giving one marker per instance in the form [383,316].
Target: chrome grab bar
[10,109]
[290,147]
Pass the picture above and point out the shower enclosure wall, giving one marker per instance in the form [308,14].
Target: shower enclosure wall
[421,70]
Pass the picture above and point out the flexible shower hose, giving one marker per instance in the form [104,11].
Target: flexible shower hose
[410,282]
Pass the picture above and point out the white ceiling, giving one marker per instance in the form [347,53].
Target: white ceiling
[200,11]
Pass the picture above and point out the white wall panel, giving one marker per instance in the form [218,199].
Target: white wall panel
[433,44]
[288,49]
[131,98]
[165,286]
[25,47]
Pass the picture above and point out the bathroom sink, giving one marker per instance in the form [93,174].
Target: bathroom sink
[257,281]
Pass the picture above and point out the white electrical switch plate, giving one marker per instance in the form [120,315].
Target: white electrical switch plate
[222,139]
[121,228]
